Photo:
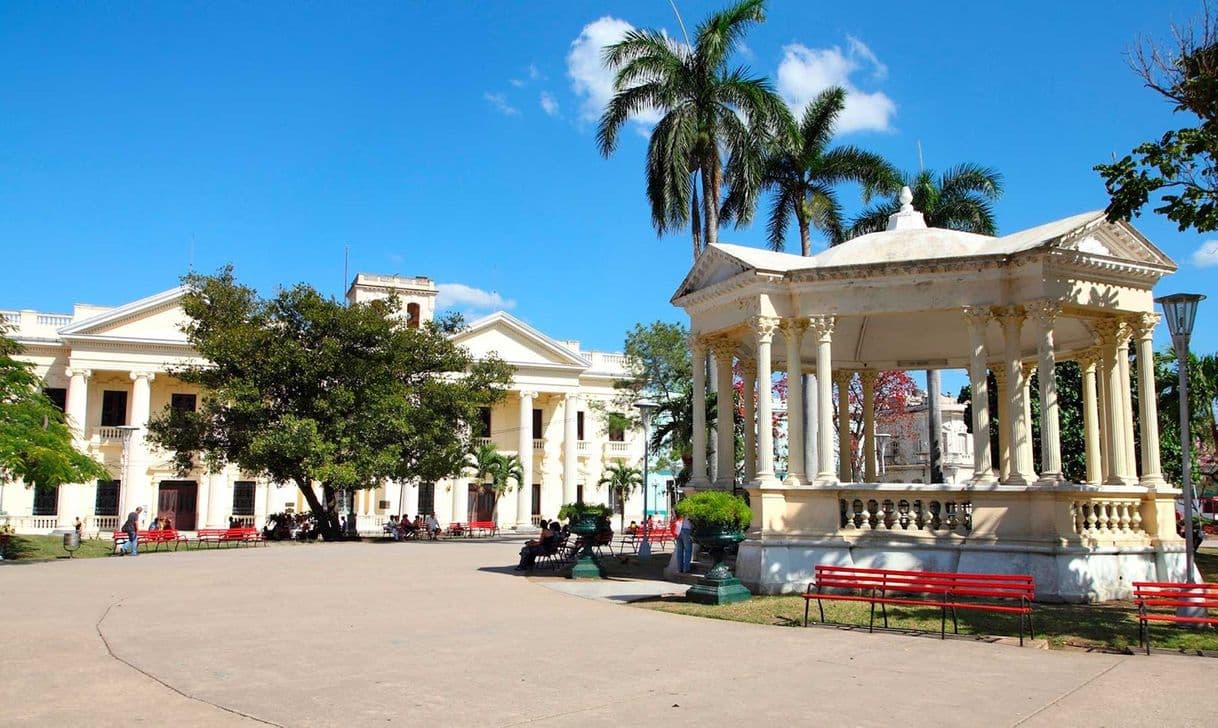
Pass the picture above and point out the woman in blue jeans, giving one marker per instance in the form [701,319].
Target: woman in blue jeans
[685,544]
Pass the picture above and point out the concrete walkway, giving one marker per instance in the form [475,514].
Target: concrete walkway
[442,634]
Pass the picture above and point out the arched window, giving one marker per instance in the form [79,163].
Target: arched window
[412,315]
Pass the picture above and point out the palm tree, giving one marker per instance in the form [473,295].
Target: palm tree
[674,428]
[622,480]
[507,468]
[707,109]
[959,199]
[483,462]
[803,173]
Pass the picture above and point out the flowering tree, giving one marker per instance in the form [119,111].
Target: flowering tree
[892,392]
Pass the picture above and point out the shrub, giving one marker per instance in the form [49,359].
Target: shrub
[571,511]
[715,509]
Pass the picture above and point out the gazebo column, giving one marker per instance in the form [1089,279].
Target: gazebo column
[725,417]
[1004,414]
[1091,419]
[1017,426]
[868,378]
[1045,313]
[763,328]
[844,449]
[1144,329]
[697,479]
[822,328]
[1131,462]
[748,372]
[1027,369]
[1109,330]
[1102,415]
[792,332]
[977,319]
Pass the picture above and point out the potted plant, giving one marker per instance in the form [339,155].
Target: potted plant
[719,520]
[585,520]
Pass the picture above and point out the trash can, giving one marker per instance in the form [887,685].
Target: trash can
[71,542]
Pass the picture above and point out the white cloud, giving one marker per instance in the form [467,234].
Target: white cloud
[517,83]
[1207,255]
[534,74]
[805,72]
[549,104]
[452,295]
[500,103]
[591,80]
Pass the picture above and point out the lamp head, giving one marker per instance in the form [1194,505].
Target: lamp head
[1180,310]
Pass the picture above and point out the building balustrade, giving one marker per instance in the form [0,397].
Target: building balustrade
[617,449]
[539,443]
[582,447]
[109,434]
[1107,519]
[480,441]
[937,517]
[101,523]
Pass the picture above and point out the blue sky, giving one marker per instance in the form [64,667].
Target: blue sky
[456,140]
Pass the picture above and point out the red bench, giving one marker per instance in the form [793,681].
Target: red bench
[658,538]
[1148,595]
[155,539]
[1003,593]
[482,528]
[221,536]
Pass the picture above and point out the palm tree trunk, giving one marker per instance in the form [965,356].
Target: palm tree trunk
[695,216]
[805,241]
[710,195]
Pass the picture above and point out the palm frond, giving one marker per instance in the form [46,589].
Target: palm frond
[721,33]
[969,177]
[819,119]
[873,219]
[781,206]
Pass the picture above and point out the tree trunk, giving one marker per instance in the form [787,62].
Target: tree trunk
[694,216]
[710,194]
[805,241]
[327,522]
[330,528]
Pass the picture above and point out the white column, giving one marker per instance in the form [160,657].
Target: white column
[868,378]
[845,451]
[1131,462]
[1109,330]
[1004,415]
[725,417]
[1046,312]
[1144,329]
[1029,463]
[977,320]
[135,481]
[763,328]
[698,479]
[216,488]
[570,448]
[1091,419]
[460,502]
[1101,383]
[748,371]
[524,489]
[793,332]
[1017,427]
[77,401]
[822,328]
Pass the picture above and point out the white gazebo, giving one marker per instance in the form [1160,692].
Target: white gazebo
[915,297]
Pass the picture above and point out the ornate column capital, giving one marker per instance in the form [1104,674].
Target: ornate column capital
[78,372]
[748,368]
[1000,374]
[1088,358]
[697,342]
[1009,315]
[1027,368]
[1107,329]
[976,317]
[868,377]
[1044,310]
[793,326]
[843,377]
[149,376]
[526,394]
[822,326]
[722,346]
[764,327]
[1144,325]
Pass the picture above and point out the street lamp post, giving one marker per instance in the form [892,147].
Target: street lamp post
[1180,310]
[645,407]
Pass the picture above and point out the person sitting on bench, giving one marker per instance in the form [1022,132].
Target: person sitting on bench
[536,547]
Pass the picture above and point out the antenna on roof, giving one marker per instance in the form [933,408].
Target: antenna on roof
[346,261]
[679,21]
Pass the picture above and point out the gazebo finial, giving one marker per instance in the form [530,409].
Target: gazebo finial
[907,218]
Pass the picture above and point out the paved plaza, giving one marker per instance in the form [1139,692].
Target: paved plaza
[441,634]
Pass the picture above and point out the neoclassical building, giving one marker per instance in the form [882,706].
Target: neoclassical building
[110,368]
[915,298]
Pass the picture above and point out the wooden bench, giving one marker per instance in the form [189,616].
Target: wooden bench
[221,536]
[1003,593]
[154,539]
[482,528]
[1168,595]
[659,540]
[456,529]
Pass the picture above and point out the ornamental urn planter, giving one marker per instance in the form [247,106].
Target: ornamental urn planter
[718,586]
[587,565]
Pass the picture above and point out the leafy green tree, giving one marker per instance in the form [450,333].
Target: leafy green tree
[708,110]
[495,472]
[804,173]
[622,481]
[35,440]
[959,199]
[302,389]
[1180,167]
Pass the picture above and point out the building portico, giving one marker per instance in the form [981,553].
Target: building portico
[913,297]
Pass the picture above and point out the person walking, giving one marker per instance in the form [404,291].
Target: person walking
[131,527]
[685,543]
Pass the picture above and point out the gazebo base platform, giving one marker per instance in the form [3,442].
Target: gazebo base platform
[1063,574]
[708,590]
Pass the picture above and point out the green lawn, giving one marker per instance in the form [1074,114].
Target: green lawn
[1111,626]
[44,548]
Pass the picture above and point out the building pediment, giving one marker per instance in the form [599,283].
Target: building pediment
[518,344]
[157,318]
